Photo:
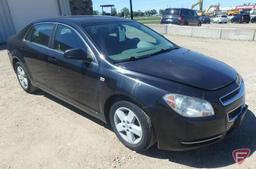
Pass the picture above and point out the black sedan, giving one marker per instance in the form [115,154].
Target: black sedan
[205,19]
[253,20]
[241,18]
[147,88]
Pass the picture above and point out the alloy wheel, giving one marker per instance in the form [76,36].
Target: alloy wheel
[128,125]
[23,79]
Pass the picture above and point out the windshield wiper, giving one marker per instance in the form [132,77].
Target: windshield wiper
[133,58]
[164,50]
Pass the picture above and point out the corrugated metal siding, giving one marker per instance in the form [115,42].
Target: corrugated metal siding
[6,23]
[7,27]
[64,7]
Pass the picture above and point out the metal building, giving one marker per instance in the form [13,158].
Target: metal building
[15,14]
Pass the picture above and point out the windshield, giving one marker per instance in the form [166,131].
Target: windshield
[122,41]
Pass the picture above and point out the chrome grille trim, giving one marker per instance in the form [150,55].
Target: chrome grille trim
[202,141]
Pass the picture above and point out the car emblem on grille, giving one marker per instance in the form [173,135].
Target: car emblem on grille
[241,154]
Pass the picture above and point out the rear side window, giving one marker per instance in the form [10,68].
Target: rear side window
[195,13]
[66,38]
[188,12]
[40,34]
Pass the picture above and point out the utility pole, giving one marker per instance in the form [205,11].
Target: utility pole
[131,11]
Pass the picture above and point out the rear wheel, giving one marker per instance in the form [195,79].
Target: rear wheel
[131,125]
[23,78]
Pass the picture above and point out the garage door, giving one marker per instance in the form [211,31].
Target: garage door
[24,12]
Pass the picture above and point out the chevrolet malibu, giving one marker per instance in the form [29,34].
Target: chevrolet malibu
[147,88]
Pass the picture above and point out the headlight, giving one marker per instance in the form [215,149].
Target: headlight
[189,106]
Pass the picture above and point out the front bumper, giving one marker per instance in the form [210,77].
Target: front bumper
[230,127]
[178,133]
[169,21]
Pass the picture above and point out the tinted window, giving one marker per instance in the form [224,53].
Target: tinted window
[66,38]
[122,41]
[185,13]
[40,34]
[172,12]
[191,13]
[195,13]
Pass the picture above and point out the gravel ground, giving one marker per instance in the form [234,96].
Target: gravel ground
[41,132]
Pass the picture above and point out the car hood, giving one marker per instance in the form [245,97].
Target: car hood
[186,67]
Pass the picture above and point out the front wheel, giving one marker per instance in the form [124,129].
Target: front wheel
[23,78]
[131,125]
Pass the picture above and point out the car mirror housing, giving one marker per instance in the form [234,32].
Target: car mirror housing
[76,54]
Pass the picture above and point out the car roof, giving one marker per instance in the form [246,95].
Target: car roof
[179,9]
[82,19]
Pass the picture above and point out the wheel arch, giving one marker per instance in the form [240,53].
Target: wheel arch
[119,97]
[16,59]
[113,99]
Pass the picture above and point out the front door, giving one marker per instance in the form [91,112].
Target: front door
[76,80]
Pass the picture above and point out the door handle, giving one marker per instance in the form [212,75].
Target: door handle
[23,47]
[52,59]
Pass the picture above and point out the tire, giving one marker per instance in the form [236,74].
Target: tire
[22,73]
[123,126]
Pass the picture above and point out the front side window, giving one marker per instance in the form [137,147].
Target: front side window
[122,41]
[66,38]
[40,34]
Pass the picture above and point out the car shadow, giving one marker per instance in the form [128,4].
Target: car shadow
[215,155]
[72,108]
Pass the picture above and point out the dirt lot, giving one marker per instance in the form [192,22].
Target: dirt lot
[39,131]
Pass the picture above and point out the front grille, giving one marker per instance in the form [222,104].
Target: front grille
[233,96]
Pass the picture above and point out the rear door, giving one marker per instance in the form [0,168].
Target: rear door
[36,52]
[172,15]
[186,16]
[195,18]
[191,18]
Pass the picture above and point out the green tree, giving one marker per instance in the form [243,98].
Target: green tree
[138,13]
[96,12]
[113,12]
[161,11]
[153,12]
[125,12]
[81,7]
[147,13]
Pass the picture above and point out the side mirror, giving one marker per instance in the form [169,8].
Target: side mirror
[76,54]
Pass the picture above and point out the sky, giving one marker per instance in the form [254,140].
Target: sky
[162,4]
